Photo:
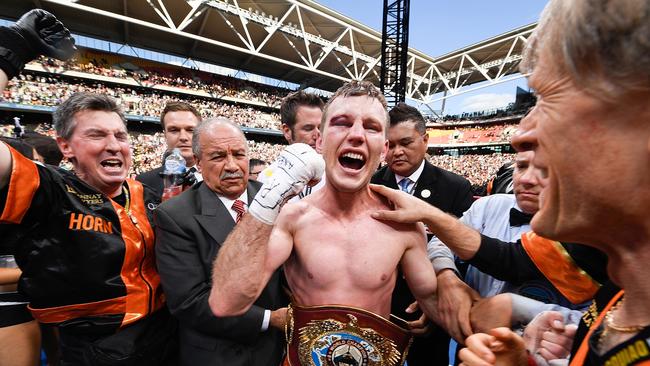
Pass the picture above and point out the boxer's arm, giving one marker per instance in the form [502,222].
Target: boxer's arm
[419,273]
[240,270]
[246,262]
[236,275]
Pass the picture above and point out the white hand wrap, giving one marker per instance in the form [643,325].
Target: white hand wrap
[296,166]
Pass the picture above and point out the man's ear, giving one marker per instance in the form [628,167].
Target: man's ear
[319,144]
[288,134]
[384,151]
[64,146]
[425,139]
[196,162]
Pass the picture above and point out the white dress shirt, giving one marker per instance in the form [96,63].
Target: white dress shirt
[413,177]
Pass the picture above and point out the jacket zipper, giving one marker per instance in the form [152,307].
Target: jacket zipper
[144,256]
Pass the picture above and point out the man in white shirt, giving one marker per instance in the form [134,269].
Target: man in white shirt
[500,216]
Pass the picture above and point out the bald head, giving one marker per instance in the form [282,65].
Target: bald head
[219,123]
[221,152]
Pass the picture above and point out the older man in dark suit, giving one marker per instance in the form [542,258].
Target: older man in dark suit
[408,170]
[190,229]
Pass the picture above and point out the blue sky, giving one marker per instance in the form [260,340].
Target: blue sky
[440,27]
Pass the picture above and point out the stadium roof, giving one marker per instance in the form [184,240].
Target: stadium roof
[298,41]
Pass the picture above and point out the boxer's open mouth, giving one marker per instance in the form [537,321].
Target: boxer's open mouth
[352,161]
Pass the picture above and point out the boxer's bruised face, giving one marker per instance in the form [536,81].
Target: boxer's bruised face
[354,141]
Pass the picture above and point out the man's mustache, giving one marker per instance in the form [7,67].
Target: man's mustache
[228,175]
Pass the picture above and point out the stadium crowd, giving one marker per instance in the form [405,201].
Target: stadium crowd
[166,75]
[477,134]
[32,89]
[205,266]
[478,169]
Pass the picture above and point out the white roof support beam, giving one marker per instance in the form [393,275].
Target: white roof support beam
[244,23]
[194,13]
[237,33]
[192,36]
[328,49]
[165,17]
[272,29]
[325,35]
[304,37]
[302,57]
[478,67]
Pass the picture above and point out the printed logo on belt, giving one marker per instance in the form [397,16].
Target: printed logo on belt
[79,221]
[333,343]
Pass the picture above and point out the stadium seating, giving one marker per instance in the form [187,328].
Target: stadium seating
[144,87]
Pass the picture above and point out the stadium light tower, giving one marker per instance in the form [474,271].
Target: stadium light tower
[394,50]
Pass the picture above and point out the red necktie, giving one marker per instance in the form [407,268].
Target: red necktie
[238,206]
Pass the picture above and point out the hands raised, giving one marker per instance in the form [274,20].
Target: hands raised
[37,32]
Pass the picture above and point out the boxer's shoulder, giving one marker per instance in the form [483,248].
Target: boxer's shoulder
[296,210]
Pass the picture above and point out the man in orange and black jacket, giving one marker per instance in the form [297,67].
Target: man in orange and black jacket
[83,239]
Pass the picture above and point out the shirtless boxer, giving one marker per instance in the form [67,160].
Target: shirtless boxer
[333,252]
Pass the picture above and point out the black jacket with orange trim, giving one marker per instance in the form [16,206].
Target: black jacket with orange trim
[576,270]
[87,262]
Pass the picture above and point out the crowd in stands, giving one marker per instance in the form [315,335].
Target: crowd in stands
[478,169]
[477,134]
[40,90]
[32,89]
[165,75]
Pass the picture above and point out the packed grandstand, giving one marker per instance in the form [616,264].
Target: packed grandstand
[143,87]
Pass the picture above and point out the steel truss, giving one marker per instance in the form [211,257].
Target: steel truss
[328,45]
[394,50]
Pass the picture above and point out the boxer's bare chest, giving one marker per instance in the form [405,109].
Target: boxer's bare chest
[359,252]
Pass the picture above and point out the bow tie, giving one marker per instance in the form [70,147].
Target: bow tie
[518,218]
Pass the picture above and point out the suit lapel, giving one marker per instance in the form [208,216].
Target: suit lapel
[214,218]
[427,181]
[389,179]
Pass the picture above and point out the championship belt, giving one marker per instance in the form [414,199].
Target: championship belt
[341,336]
